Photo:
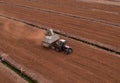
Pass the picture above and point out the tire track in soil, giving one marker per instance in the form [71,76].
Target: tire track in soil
[104,22]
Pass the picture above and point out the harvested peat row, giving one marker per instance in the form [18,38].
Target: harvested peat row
[16,69]
[86,12]
[65,14]
[66,35]
[66,5]
[77,4]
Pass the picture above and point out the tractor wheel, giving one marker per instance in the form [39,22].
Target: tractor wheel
[68,51]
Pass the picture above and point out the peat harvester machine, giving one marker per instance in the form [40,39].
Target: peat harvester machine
[53,41]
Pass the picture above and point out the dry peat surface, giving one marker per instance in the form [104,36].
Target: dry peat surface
[89,62]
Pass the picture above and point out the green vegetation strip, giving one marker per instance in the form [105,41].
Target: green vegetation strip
[17,71]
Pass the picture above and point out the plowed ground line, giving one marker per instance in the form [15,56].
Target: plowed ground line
[72,5]
[65,14]
[66,35]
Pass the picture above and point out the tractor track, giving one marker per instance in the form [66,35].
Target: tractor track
[72,4]
[78,6]
[65,14]
[67,35]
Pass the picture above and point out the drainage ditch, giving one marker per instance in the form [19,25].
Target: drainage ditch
[17,71]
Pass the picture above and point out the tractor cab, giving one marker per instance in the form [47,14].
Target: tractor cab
[61,42]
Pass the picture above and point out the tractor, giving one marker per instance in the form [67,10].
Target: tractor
[52,40]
